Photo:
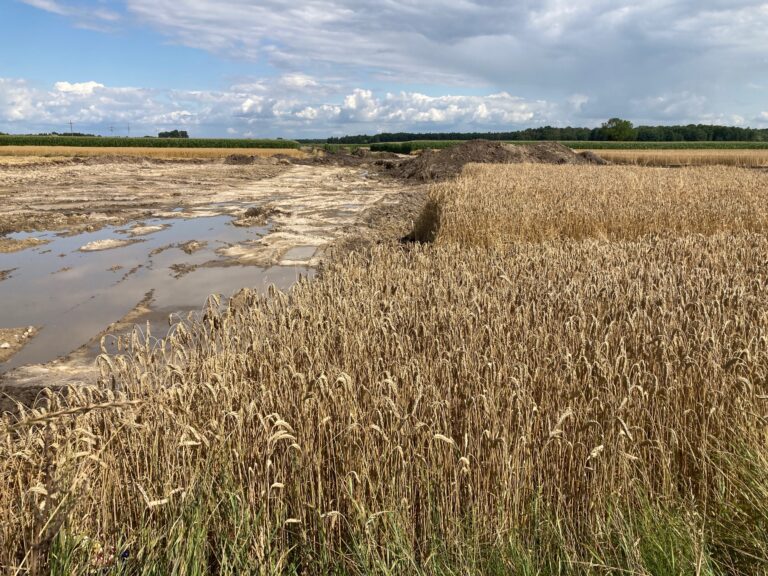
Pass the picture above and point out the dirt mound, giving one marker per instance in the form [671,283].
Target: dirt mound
[593,158]
[339,158]
[447,163]
[242,160]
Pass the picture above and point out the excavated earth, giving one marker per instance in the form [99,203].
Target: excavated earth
[433,165]
[93,248]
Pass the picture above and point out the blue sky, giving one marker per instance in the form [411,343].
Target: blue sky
[328,67]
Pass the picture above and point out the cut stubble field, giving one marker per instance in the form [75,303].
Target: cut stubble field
[568,375]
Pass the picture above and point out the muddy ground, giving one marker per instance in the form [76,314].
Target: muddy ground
[306,205]
[13,339]
[296,212]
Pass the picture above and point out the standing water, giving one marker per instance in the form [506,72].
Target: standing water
[73,295]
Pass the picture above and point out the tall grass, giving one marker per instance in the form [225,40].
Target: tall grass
[541,405]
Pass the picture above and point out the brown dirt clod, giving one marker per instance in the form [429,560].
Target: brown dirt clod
[593,158]
[240,159]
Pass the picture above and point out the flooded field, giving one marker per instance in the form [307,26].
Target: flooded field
[74,293]
[89,251]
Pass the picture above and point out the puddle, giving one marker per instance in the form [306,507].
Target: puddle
[74,295]
[300,254]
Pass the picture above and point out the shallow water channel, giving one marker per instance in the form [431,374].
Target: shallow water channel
[73,295]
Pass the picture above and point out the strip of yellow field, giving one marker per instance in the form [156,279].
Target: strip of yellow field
[743,158]
[495,205]
[169,153]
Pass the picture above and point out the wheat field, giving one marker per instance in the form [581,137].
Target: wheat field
[534,202]
[11,152]
[570,378]
[709,157]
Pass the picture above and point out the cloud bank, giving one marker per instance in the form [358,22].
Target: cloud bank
[347,65]
[292,105]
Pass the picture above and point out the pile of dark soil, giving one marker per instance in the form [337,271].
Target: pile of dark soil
[447,163]
[332,158]
[239,159]
[593,158]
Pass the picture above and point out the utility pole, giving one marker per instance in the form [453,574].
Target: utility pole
[111,130]
[71,130]
[129,129]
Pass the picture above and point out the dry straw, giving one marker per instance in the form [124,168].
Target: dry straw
[506,400]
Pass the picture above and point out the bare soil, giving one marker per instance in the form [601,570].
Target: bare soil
[13,339]
[308,208]
[8,245]
[433,165]
[86,195]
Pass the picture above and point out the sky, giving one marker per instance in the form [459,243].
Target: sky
[318,68]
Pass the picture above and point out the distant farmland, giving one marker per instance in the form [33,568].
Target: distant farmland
[406,147]
[99,142]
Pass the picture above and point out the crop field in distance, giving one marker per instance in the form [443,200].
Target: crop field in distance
[8,153]
[756,158]
[745,154]
[567,375]
[575,145]
[115,142]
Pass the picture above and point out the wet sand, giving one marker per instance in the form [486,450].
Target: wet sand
[96,249]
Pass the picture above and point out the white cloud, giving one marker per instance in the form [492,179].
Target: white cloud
[78,88]
[682,107]
[298,81]
[600,58]
[265,109]
[579,45]
[48,6]
[86,15]
[578,101]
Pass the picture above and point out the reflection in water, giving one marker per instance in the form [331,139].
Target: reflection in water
[300,253]
[74,295]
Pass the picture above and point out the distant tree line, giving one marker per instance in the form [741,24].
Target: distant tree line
[173,134]
[614,129]
[75,134]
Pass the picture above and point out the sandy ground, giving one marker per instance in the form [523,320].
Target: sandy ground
[13,339]
[76,197]
[46,154]
[309,210]
[14,245]
[307,206]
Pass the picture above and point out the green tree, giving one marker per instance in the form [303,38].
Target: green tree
[174,134]
[618,129]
